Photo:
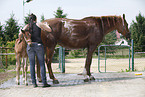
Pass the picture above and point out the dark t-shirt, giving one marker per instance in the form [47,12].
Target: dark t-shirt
[36,34]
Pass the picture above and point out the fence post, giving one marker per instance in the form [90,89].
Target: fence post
[62,59]
[132,44]
[1,63]
[6,59]
[99,58]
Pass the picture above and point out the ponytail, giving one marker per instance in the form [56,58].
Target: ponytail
[32,18]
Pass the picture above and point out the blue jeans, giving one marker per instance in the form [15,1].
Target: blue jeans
[38,50]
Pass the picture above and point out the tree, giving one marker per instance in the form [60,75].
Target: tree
[110,38]
[138,32]
[26,20]
[11,29]
[42,18]
[59,13]
[2,38]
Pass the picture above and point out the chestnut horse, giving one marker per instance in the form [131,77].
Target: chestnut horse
[85,33]
[20,52]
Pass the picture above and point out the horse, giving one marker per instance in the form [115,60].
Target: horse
[78,34]
[21,53]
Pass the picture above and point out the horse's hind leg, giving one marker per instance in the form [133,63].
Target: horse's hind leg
[49,54]
[18,66]
[38,71]
[25,69]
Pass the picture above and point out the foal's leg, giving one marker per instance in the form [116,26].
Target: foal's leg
[22,65]
[49,54]
[25,69]
[18,66]
[86,71]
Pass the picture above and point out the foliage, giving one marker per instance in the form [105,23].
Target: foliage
[11,29]
[59,13]
[109,39]
[26,19]
[2,38]
[42,18]
[11,44]
[138,32]
[75,53]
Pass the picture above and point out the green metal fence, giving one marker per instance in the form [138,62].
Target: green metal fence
[114,55]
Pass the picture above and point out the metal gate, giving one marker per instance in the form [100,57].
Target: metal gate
[109,52]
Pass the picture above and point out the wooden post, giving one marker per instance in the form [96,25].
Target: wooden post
[6,59]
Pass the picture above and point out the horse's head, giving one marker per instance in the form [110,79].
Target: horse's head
[122,27]
[27,36]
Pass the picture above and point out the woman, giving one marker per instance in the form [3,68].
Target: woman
[36,49]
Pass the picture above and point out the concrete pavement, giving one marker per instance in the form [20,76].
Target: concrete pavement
[72,85]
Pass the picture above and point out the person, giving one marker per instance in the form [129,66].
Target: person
[37,49]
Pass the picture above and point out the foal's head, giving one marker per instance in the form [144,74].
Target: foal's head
[122,27]
[27,36]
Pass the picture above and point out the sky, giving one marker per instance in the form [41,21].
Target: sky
[75,9]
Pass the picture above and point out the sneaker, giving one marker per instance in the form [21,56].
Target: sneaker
[46,85]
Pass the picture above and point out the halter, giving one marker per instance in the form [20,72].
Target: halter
[123,26]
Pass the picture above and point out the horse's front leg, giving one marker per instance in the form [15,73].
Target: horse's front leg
[25,69]
[49,55]
[86,71]
[18,66]
[22,65]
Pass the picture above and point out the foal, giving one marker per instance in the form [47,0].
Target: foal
[21,53]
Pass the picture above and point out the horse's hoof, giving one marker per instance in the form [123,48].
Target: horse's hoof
[18,83]
[40,81]
[86,80]
[55,82]
[92,78]
[26,84]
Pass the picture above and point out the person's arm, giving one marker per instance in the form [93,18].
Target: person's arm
[44,26]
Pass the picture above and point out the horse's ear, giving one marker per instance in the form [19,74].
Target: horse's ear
[22,31]
[123,16]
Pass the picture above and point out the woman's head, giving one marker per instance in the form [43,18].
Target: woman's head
[32,17]
[32,20]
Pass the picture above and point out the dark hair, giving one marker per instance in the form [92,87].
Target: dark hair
[32,18]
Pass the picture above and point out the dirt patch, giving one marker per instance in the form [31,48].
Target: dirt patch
[4,76]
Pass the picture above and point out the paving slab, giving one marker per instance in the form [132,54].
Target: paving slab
[72,85]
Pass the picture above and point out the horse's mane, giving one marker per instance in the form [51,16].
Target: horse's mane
[96,17]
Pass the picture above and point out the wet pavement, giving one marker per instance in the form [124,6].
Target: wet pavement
[72,85]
